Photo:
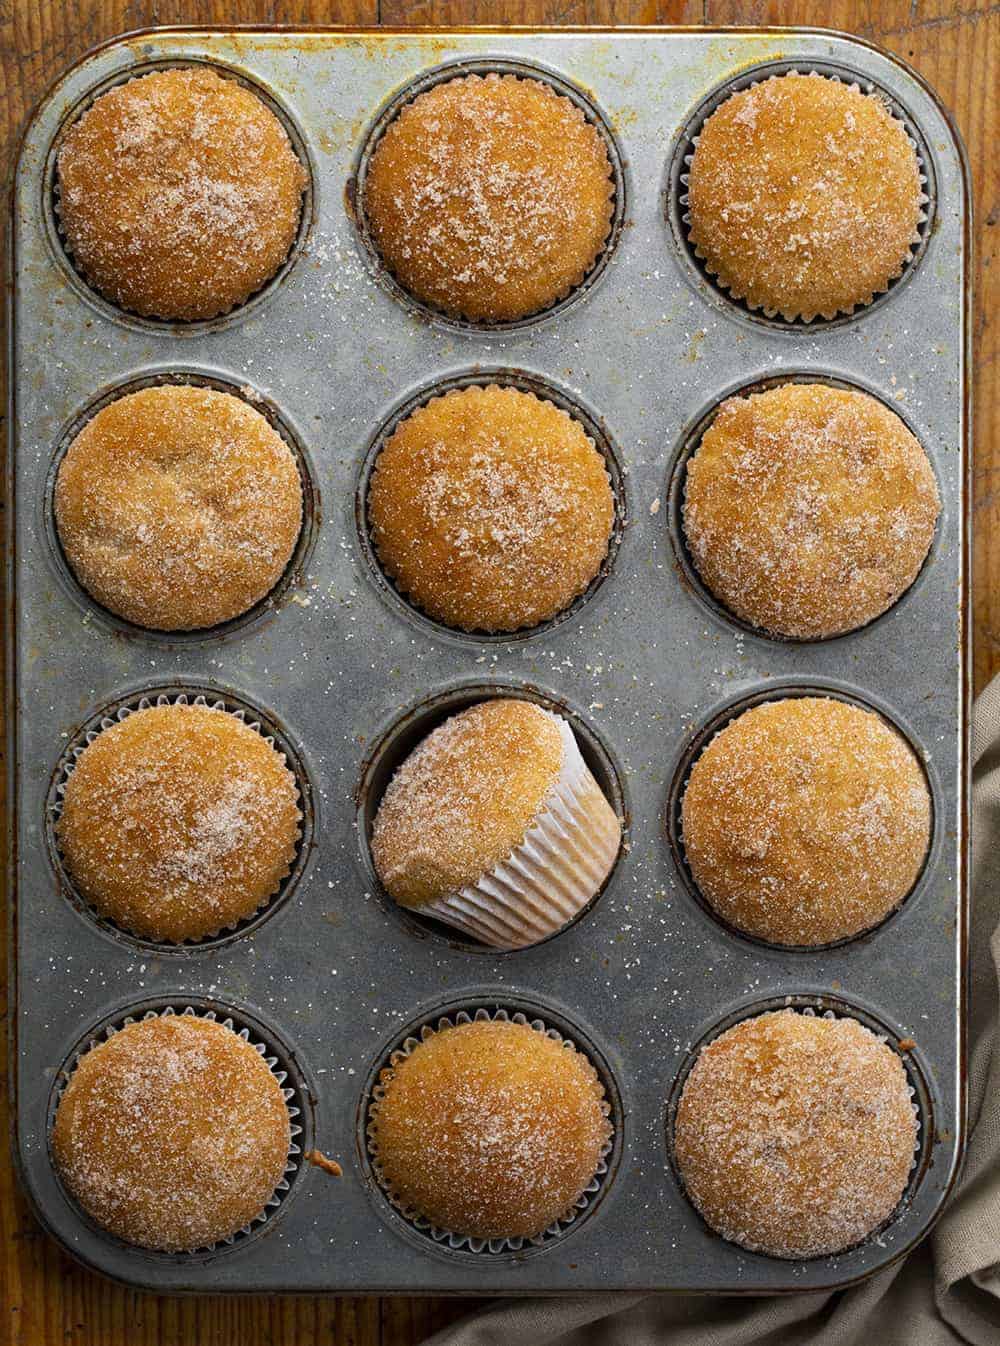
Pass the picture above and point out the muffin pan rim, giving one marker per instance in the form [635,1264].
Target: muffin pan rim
[443,73]
[292,576]
[433,709]
[59,245]
[499,1003]
[823,1004]
[341,1275]
[295,1086]
[725,713]
[689,442]
[544,389]
[674,194]
[159,692]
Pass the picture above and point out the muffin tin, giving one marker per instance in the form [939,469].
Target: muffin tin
[348,676]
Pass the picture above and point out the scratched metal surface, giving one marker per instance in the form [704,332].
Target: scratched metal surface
[335,975]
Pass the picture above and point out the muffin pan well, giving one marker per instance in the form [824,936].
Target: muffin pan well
[349,676]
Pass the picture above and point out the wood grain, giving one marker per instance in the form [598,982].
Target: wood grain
[46,1299]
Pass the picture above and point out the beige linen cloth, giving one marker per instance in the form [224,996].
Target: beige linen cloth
[947,1292]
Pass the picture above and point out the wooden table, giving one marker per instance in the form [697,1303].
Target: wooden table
[955,44]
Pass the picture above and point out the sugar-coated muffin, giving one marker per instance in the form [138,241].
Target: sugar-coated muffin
[495,825]
[489,1129]
[489,197]
[179,193]
[795,1135]
[178,507]
[491,509]
[173,1134]
[178,822]
[808,510]
[804,196]
[806,820]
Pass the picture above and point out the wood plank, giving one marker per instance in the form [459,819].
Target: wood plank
[47,1299]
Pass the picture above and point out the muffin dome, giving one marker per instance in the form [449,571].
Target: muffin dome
[809,510]
[495,825]
[178,507]
[806,821]
[173,1134]
[178,822]
[489,1130]
[489,198]
[795,1135]
[804,196]
[491,509]
[179,194]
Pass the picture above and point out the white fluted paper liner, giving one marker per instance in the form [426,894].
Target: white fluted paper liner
[83,741]
[270,1060]
[446,1237]
[547,880]
[915,242]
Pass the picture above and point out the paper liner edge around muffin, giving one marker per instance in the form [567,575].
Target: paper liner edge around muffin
[270,1059]
[882,1035]
[131,706]
[923,200]
[448,1238]
[558,867]
[615,187]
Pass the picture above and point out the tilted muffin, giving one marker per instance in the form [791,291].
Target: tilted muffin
[806,820]
[173,1134]
[804,196]
[490,197]
[489,1129]
[178,507]
[491,509]
[179,821]
[809,510]
[179,193]
[795,1135]
[495,825]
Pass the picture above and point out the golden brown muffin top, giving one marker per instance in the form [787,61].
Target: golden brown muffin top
[490,1129]
[179,821]
[172,1134]
[795,1135]
[489,197]
[464,798]
[809,510]
[178,507]
[491,509]
[806,820]
[179,193]
[804,196]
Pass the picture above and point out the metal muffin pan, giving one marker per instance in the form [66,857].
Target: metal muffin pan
[348,675]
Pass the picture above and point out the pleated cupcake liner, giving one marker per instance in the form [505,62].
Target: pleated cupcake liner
[288,1094]
[447,1239]
[83,741]
[76,265]
[615,192]
[552,875]
[920,230]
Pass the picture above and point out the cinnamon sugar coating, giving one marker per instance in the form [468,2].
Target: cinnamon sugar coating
[491,509]
[179,821]
[464,798]
[178,507]
[806,821]
[804,196]
[809,510]
[173,1134]
[490,197]
[489,1129]
[795,1135]
[179,193]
